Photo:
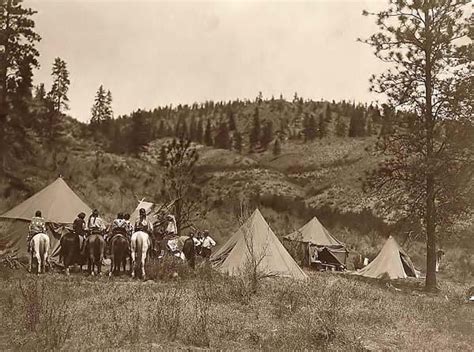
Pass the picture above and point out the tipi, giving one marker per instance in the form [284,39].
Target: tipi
[392,262]
[59,206]
[255,236]
[314,236]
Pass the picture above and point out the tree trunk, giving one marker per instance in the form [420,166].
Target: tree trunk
[430,283]
[430,214]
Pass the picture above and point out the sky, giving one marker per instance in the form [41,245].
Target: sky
[150,53]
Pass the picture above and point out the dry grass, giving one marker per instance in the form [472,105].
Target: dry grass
[208,310]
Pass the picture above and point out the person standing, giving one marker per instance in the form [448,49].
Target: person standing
[207,244]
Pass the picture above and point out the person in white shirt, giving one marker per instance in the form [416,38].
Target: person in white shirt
[95,224]
[171,227]
[207,244]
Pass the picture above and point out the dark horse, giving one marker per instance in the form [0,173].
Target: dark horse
[95,247]
[118,253]
[71,251]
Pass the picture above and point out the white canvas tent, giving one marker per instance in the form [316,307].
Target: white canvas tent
[392,262]
[256,238]
[59,206]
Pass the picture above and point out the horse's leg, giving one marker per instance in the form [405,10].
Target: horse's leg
[143,258]
[30,264]
[112,262]
[132,259]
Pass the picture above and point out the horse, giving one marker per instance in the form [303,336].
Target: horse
[118,253]
[39,252]
[71,251]
[140,245]
[95,246]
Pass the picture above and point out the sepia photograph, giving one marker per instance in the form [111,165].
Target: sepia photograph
[236,175]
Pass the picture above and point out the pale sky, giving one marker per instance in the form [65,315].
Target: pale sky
[150,53]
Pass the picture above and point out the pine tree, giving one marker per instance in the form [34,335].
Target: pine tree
[109,113]
[340,127]
[254,136]
[231,120]
[357,123]
[200,131]
[222,139]
[161,129]
[193,129]
[58,93]
[322,126]
[237,142]
[428,173]
[267,134]
[99,109]
[310,129]
[208,134]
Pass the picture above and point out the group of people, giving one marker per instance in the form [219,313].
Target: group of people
[161,231]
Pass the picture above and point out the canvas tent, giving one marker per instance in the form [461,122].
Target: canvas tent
[59,206]
[314,237]
[255,236]
[392,262]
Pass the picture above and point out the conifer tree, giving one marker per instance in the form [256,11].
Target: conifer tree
[200,131]
[341,128]
[237,142]
[222,139]
[267,134]
[254,136]
[208,134]
[322,126]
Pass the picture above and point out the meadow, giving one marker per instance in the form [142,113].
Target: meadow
[203,309]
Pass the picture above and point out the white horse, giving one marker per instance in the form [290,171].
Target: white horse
[140,245]
[39,246]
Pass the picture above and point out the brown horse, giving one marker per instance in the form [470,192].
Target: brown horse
[71,251]
[95,247]
[118,253]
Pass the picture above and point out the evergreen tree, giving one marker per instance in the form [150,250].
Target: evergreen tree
[267,134]
[254,136]
[231,121]
[200,131]
[17,58]
[322,126]
[387,120]
[161,129]
[340,127]
[108,106]
[357,123]
[426,173]
[99,109]
[193,129]
[222,139]
[310,129]
[208,134]
[237,142]
[58,93]
[139,132]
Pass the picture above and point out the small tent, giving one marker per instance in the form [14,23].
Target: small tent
[314,237]
[59,206]
[256,240]
[392,262]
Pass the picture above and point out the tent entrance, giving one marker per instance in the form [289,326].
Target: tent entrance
[407,266]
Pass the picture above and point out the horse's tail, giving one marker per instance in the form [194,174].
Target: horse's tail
[139,247]
[96,249]
[42,249]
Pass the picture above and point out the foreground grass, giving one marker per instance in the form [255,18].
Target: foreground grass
[208,310]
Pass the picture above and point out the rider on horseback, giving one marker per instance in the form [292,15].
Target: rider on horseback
[95,224]
[37,225]
[79,228]
[142,224]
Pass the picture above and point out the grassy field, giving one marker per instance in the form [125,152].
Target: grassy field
[206,310]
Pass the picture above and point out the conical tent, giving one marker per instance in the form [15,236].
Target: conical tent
[59,205]
[255,241]
[392,262]
[315,234]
